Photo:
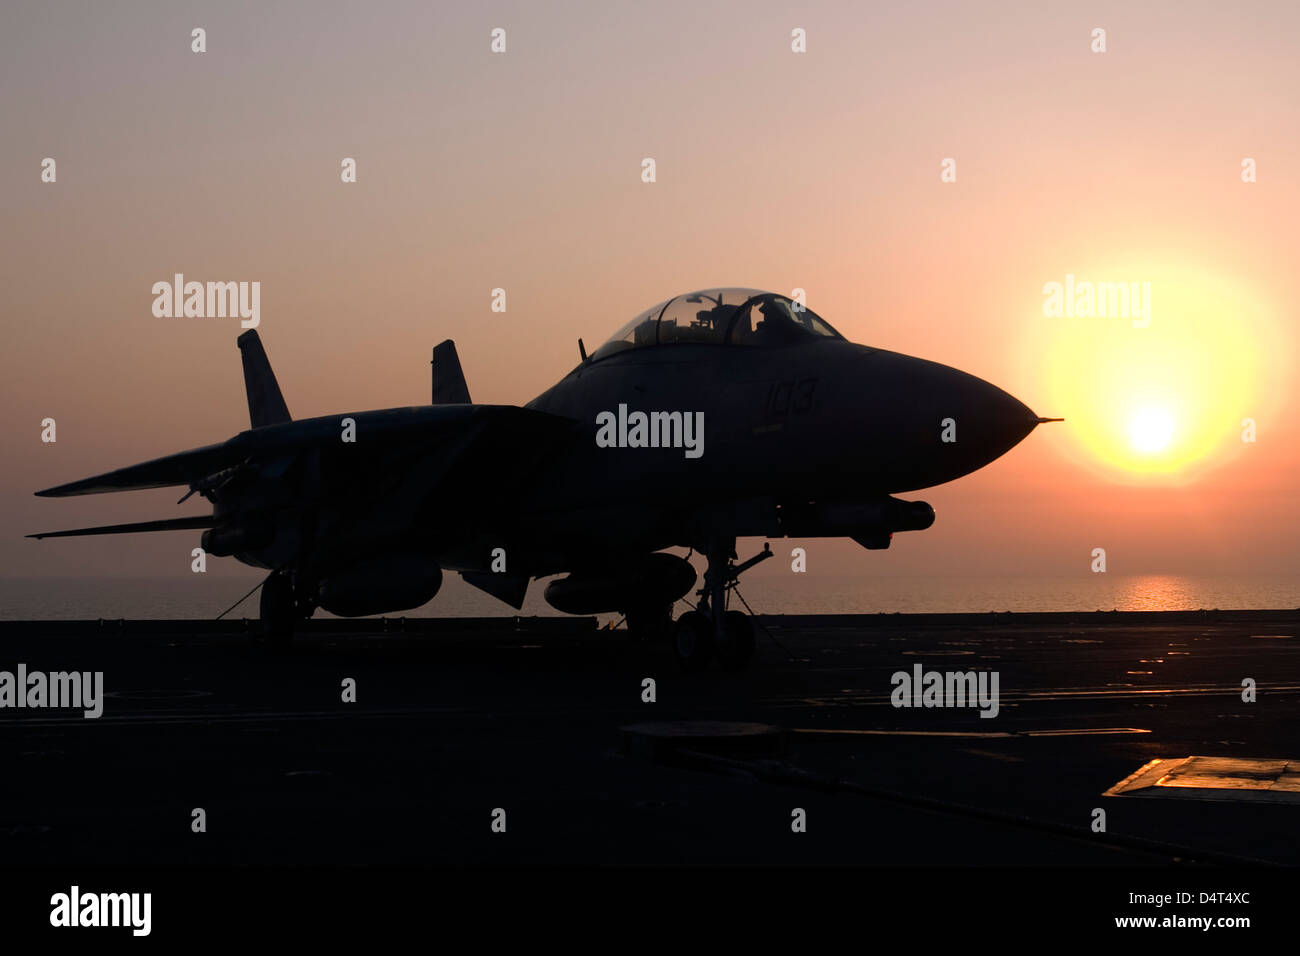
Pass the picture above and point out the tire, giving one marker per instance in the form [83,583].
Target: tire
[738,645]
[693,641]
[277,608]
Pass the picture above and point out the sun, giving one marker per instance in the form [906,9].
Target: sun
[1151,430]
[1161,400]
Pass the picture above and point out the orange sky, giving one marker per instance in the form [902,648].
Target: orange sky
[775,170]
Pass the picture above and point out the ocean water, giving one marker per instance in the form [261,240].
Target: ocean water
[204,596]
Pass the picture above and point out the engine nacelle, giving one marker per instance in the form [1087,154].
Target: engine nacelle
[657,578]
[390,583]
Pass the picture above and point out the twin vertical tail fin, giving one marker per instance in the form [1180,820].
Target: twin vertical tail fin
[449,386]
[265,403]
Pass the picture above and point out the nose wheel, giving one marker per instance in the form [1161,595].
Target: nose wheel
[712,631]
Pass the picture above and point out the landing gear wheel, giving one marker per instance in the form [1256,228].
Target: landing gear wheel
[278,609]
[693,641]
[738,641]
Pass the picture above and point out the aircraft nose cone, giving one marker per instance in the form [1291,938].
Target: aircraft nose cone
[948,423]
[995,421]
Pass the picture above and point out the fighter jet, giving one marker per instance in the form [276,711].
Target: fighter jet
[712,416]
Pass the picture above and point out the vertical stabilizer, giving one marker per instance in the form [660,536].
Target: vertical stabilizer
[265,403]
[449,386]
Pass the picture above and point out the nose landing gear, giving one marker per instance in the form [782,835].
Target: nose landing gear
[712,631]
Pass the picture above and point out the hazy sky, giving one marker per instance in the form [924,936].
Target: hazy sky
[775,170]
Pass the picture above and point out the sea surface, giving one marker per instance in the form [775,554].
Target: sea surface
[204,596]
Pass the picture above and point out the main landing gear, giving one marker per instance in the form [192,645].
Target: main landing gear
[281,606]
[711,630]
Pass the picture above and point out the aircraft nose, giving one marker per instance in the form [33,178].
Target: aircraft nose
[950,423]
[994,419]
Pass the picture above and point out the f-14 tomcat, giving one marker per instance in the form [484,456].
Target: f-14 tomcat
[715,415]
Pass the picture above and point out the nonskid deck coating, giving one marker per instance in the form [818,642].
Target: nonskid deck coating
[454,719]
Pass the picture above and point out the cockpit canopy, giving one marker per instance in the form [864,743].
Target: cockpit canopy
[720,317]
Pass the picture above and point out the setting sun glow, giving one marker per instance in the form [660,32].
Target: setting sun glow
[1165,399]
[1151,430]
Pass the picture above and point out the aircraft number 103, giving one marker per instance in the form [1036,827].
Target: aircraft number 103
[794,397]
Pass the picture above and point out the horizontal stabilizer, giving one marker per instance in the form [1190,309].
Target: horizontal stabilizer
[384,429]
[165,524]
[178,469]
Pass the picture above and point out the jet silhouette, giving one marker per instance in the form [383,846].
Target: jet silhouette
[715,415]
